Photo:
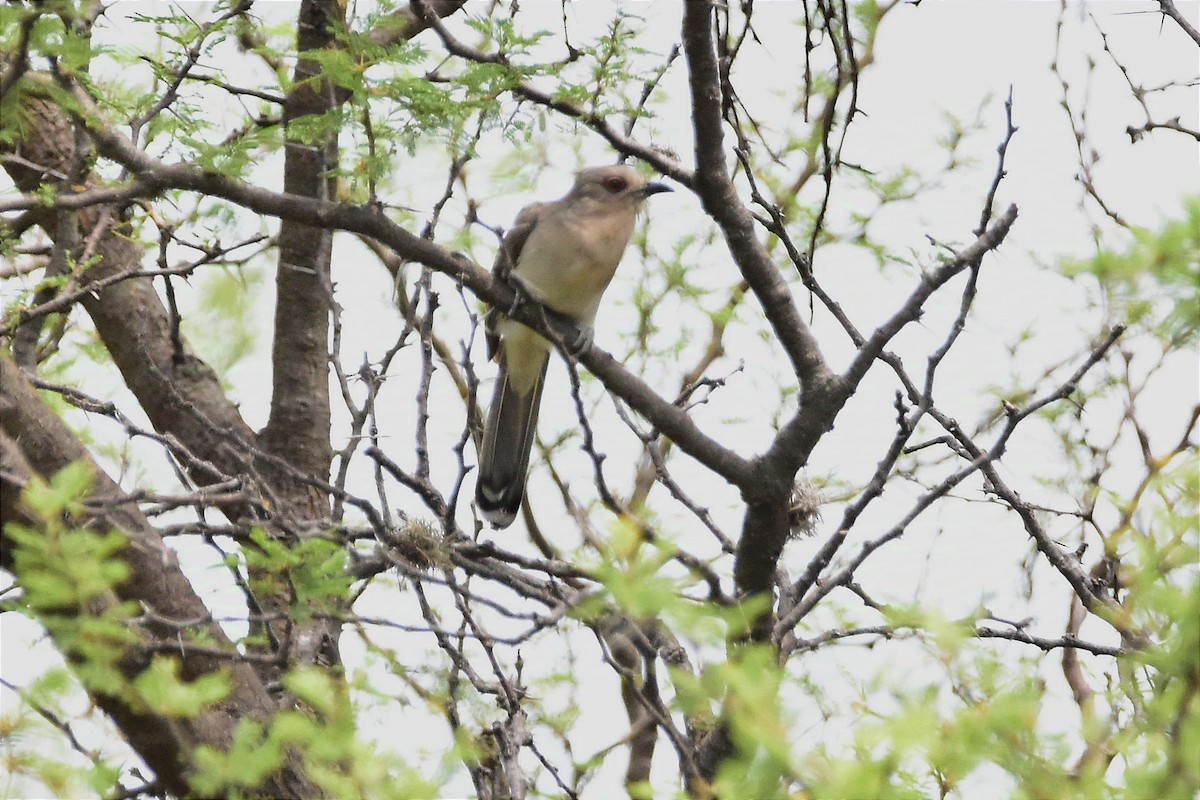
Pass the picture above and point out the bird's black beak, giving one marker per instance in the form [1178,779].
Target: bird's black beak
[653,188]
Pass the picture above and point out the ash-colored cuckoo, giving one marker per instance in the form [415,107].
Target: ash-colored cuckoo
[564,254]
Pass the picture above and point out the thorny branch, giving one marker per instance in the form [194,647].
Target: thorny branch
[490,588]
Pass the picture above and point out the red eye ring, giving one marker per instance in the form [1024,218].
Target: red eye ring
[615,183]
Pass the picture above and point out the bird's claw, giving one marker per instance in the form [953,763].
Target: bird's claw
[520,295]
[579,343]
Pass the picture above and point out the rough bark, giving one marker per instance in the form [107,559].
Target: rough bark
[34,441]
[295,442]
[185,402]
[178,391]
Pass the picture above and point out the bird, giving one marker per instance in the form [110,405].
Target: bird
[564,254]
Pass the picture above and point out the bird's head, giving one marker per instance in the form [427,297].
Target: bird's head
[615,185]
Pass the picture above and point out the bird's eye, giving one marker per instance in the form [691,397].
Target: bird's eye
[615,184]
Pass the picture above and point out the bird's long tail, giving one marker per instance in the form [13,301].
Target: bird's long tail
[507,441]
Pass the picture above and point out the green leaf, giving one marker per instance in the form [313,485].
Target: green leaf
[251,757]
[314,688]
[62,495]
[1155,282]
[165,693]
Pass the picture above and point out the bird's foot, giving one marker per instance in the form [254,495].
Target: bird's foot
[580,342]
[521,295]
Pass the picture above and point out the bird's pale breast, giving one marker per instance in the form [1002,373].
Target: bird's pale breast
[568,269]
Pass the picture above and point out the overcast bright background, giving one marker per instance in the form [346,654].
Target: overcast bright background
[956,58]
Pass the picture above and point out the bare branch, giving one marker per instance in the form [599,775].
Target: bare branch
[372,222]
[720,200]
[1169,9]
[35,442]
[656,158]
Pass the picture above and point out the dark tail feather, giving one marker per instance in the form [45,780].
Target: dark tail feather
[504,457]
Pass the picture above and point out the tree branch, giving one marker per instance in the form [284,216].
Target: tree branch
[661,161]
[179,392]
[722,203]
[1168,8]
[35,442]
[159,176]
[407,22]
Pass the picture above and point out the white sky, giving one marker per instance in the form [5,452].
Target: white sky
[934,59]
